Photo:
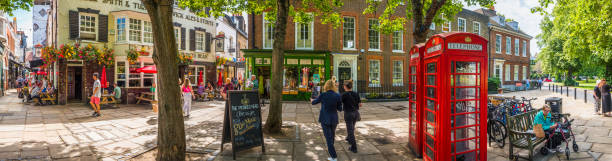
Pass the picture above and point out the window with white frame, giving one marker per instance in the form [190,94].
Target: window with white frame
[476,27]
[121,29]
[135,30]
[1,27]
[373,35]
[148,78]
[147,32]
[199,40]
[516,47]
[304,35]
[134,79]
[348,33]
[87,26]
[461,24]
[120,73]
[498,41]
[525,72]
[268,33]
[374,73]
[498,69]
[446,26]
[432,26]
[524,48]
[508,45]
[398,70]
[397,41]
[193,73]
[507,73]
[516,72]
[177,37]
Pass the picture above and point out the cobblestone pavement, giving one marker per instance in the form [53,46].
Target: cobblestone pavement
[69,133]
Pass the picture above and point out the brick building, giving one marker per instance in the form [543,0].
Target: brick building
[354,50]
[464,21]
[509,56]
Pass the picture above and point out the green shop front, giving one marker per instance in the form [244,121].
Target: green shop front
[302,69]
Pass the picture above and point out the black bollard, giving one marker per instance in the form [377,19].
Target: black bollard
[567,91]
[585,96]
[575,93]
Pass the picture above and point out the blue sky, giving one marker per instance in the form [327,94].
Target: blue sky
[519,10]
[24,23]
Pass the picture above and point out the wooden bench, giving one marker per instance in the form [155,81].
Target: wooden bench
[145,96]
[520,133]
[49,99]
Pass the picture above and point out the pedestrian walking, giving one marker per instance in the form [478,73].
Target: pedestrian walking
[605,97]
[597,97]
[187,96]
[228,86]
[328,117]
[95,96]
[351,104]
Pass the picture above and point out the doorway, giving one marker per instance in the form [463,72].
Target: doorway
[343,74]
[75,83]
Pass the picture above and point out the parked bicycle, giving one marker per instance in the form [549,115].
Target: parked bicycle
[496,124]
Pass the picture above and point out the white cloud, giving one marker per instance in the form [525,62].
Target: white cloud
[520,11]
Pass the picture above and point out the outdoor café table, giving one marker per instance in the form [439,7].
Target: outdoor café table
[107,98]
[145,96]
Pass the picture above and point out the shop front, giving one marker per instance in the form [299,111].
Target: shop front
[302,70]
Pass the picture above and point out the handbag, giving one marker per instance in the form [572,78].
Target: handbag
[539,131]
[357,116]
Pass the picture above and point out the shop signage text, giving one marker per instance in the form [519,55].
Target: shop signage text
[136,4]
[461,46]
[414,56]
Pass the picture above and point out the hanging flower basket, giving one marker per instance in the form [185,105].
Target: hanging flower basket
[88,53]
[132,56]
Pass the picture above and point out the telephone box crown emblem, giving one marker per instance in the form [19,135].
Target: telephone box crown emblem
[468,39]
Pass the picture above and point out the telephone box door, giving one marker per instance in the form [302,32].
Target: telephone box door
[466,78]
[431,103]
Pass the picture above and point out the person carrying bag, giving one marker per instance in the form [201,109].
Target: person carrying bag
[351,103]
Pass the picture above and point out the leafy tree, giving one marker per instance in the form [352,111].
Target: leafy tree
[171,135]
[584,26]
[421,12]
[9,6]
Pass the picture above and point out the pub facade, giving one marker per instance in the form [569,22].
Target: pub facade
[124,27]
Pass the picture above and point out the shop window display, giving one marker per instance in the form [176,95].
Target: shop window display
[301,79]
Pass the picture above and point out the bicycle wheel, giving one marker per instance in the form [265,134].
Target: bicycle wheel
[497,132]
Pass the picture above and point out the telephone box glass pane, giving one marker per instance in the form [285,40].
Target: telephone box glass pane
[431,92]
[467,156]
[466,67]
[465,133]
[430,129]
[430,141]
[431,68]
[466,93]
[430,154]
[466,145]
[413,70]
[467,80]
[431,117]
[464,106]
[431,80]
[431,105]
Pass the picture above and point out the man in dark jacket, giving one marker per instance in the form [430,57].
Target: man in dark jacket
[328,117]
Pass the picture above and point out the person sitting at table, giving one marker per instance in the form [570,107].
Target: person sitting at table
[109,88]
[117,93]
[201,91]
[35,93]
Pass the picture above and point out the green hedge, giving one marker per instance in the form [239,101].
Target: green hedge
[494,83]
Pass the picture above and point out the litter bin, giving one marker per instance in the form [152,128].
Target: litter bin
[555,103]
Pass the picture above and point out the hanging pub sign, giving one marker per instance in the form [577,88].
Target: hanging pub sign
[242,121]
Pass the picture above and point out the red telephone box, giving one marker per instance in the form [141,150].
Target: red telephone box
[455,103]
[415,86]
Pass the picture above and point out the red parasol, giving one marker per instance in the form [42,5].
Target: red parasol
[103,78]
[41,72]
[147,69]
[220,80]
[200,78]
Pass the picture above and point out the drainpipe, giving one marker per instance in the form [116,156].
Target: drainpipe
[251,35]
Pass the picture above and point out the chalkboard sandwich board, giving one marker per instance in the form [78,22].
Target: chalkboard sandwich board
[242,121]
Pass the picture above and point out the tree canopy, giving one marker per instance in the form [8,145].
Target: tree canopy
[576,34]
[10,6]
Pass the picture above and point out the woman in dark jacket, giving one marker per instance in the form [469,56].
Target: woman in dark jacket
[597,97]
[605,97]
[328,117]
[351,103]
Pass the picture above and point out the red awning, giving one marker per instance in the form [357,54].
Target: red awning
[147,69]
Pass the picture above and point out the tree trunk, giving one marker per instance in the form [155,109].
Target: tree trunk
[171,128]
[420,36]
[275,119]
